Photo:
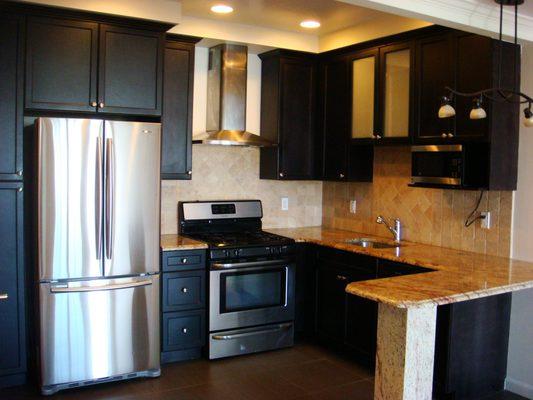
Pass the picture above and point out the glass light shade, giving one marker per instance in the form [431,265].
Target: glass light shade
[446,111]
[478,113]
[528,122]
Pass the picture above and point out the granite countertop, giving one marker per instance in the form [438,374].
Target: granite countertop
[458,276]
[177,242]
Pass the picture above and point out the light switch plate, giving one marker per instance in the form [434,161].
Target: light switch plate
[284,204]
[353,206]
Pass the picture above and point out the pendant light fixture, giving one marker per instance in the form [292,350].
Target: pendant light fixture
[496,94]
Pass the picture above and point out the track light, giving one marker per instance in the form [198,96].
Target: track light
[477,111]
[446,110]
[528,117]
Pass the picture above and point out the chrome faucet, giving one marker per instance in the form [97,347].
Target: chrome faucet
[396,231]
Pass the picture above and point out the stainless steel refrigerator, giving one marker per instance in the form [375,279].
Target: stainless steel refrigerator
[98,250]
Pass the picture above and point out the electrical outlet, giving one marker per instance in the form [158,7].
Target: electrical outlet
[353,206]
[284,204]
[485,222]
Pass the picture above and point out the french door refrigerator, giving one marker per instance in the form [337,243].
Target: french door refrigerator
[98,250]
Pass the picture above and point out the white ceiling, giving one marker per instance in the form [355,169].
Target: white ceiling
[284,14]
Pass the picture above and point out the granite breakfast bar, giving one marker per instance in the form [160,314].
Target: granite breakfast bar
[407,308]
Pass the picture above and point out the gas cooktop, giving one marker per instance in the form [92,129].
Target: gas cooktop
[240,239]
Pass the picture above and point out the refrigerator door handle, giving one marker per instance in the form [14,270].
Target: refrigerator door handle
[77,289]
[110,193]
[98,198]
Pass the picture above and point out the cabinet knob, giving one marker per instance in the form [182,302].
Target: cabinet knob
[20,189]
[341,175]
[342,278]
[184,260]
[450,134]
[184,290]
[19,173]
[94,104]
[378,137]
[189,172]
[101,105]
[444,135]
[184,330]
[281,175]
[4,296]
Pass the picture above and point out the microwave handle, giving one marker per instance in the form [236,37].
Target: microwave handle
[249,264]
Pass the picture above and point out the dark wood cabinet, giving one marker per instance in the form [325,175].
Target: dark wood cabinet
[11,96]
[471,347]
[85,65]
[61,64]
[468,63]
[288,96]
[183,302]
[12,308]
[130,72]
[176,146]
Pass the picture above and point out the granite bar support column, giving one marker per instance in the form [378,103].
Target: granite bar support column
[405,353]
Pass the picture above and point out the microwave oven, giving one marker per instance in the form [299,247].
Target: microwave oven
[440,165]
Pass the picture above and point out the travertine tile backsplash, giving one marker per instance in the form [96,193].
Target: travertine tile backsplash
[432,216]
[222,173]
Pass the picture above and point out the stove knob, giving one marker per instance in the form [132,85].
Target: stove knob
[236,252]
[226,253]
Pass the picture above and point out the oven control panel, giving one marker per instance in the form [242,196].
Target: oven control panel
[245,252]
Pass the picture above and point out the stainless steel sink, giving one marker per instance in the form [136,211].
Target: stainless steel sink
[376,244]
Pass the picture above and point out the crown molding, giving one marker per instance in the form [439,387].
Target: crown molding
[470,15]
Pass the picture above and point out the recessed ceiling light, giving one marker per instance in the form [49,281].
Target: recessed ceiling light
[311,24]
[222,9]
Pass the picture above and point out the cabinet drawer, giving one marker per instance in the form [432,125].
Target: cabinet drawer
[183,290]
[183,330]
[358,263]
[183,260]
[388,269]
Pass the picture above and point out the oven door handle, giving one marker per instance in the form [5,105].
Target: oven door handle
[280,327]
[249,264]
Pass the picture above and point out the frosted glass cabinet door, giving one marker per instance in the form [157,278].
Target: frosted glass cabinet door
[396,90]
[363,96]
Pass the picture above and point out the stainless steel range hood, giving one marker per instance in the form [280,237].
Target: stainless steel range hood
[226,99]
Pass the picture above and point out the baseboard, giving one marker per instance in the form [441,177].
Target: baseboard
[520,388]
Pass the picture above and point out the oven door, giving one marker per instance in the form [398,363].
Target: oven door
[253,293]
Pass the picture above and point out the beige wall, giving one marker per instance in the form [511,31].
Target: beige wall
[431,216]
[520,362]
[221,172]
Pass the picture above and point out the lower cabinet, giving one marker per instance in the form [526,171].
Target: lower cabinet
[183,301]
[12,315]
[471,339]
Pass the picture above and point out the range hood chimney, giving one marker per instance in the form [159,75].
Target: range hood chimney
[226,99]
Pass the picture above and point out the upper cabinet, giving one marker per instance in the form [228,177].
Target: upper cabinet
[78,65]
[467,63]
[176,143]
[288,95]
[11,86]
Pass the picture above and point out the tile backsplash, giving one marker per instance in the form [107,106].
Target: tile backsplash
[222,173]
[431,216]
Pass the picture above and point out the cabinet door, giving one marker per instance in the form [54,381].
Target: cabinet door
[361,327]
[335,120]
[12,334]
[11,84]
[297,131]
[473,62]
[331,282]
[176,157]
[61,62]
[396,93]
[130,71]
[434,73]
[365,104]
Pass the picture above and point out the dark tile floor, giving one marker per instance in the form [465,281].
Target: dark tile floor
[304,372]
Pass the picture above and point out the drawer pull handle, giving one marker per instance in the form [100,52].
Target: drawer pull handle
[4,296]
[341,278]
[184,290]
[184,330]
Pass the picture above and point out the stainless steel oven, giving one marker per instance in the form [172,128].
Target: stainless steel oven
[250,293]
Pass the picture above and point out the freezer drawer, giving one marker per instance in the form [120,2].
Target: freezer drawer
[98,329]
